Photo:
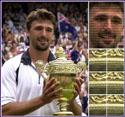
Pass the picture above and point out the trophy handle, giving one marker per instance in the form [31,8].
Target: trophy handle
[40,67]
[82,67]
[81,74]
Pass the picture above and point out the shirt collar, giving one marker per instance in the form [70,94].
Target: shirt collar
[25,59]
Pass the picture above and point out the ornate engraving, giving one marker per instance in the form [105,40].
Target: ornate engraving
[116,53]
[115,76]
[97,76]
[98,99]
[61,65]
[119,99]
[101,99]
[97,53]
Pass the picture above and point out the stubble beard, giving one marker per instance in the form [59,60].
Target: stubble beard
[96,43]
[102,45]
[40,47]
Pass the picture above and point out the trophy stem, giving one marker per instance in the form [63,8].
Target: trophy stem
[63,105]
[63,109]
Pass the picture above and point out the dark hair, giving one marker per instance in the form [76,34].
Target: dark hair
[103,4]
[40,14]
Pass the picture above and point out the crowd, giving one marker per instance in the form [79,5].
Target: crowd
[15,40]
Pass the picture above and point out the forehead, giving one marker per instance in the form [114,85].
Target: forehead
[106,10]
[42,23]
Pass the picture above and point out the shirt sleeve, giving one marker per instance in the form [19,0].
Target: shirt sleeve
[77,99]
[8,83]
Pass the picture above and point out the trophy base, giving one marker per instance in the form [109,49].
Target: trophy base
[68,113]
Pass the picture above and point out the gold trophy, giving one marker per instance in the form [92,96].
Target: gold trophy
[65,71]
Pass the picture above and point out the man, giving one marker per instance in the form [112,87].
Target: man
[106,24]
[23,91]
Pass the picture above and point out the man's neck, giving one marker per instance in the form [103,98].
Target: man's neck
[38,55]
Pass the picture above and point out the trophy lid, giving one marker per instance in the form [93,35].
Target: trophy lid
[60,53]
[62,65]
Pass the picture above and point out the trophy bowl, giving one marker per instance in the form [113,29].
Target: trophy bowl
[64,71]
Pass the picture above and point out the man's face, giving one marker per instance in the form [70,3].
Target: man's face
[106,25]
[40,34]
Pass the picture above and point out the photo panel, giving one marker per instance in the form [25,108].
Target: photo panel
[106,57]
[115,82]
[97,82]
[115,105]
[97,105]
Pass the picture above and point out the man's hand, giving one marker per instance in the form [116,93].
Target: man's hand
[77,85]
[49,92]
[23,108]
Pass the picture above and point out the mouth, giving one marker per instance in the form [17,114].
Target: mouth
[43,41]
[107,38]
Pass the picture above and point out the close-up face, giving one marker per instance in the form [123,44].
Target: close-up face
[106,26]
[40,34]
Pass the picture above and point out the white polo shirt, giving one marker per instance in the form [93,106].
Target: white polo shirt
[28,85]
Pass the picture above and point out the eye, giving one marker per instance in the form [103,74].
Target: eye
[100,18]
[38,28]
[117,21]
[49,29]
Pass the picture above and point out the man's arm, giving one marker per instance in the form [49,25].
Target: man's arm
[75,107]
[23,108]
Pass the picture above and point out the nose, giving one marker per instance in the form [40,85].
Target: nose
[108,25]
[43,32]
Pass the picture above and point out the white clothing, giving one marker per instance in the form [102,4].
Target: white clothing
[30,85]
[53,50]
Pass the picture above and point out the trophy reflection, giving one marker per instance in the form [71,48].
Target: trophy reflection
[64,71]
